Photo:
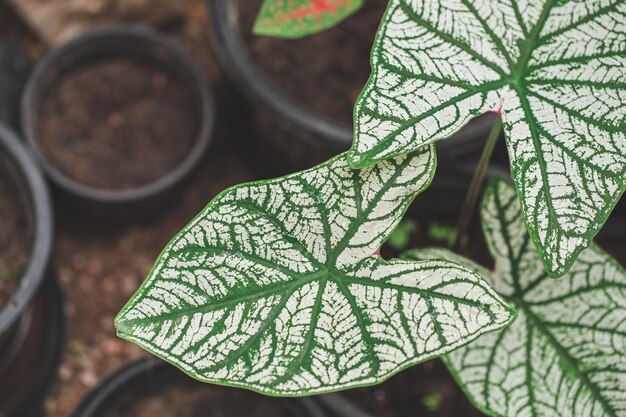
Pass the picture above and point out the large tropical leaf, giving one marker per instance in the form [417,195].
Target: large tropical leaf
[297,18]
[554,69]
[275,286]
[565,355]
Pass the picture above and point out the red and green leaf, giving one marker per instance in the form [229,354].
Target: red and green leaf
[298,18]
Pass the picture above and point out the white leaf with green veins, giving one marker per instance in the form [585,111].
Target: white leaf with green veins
[556,70]
[275,286]
[565,355]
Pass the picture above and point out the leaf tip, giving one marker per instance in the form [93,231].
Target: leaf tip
[511,311]
[557,270]
[494,183]
[123,324]
[356,160]
[122,327]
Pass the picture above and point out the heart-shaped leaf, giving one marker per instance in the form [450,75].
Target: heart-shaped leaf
[565,355]
[556,72]
[275,286]
[298,18]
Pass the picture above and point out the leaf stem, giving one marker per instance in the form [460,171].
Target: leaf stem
[471,198]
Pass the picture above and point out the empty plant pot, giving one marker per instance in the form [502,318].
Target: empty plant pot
[118,118]
[153,388]
[31,317]
[303,91]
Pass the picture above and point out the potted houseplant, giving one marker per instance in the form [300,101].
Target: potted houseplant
[102,102]
[31,316]
[278,286]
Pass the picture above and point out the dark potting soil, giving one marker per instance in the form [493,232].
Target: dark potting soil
[117,124]
[325,71]
[16,233]
[180,396]
[423,390]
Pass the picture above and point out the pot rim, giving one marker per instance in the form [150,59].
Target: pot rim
[32,100]
[115,383]
[38,195]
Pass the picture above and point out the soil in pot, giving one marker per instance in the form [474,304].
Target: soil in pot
[117,124]
[325,71]
[173,394]
[16,232]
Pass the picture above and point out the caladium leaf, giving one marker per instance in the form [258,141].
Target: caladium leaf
[297,18]
[275,286]
[555,72]
[565,355]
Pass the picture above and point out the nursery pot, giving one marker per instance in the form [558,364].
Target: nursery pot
[153,388]
[292,135]
[31,316]
[15,67]
[102,50]
[29,363]
[426,389]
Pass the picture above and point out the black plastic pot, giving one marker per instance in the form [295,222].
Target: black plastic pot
[281,120]
[148,378]
[440,204]
[135,43]
[29,363]
[32,331]
[27,176]
[15,67]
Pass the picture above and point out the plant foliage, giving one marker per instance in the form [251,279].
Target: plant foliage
[298,18]
[553,69]
[565,355]
[275,286]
